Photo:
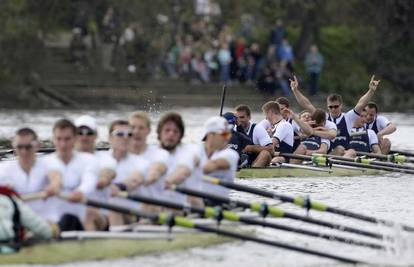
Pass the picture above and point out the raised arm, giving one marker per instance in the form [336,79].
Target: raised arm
[325,133]
[302,100]
[304,127]
[363,101]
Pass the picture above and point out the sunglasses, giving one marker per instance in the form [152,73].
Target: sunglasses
[225,134]
[85,132]
[124,134]
[333,106]
[24,146]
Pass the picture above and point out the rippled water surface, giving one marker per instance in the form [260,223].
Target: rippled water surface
[389,196]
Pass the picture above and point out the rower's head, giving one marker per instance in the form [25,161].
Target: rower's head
[217,132]
[64,137]
[243,115]
[119,135]
[271,110]
[319,117]
[170,130]
[25,144]
[141,127]
[283,104]
[334,104]
[86,129]
[305,116]
[231,118]
[371,110]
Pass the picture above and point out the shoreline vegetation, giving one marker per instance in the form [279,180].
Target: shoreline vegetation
[36,71]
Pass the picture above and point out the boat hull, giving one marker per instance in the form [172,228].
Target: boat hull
[281,172]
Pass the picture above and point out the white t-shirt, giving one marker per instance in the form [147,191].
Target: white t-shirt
[330,125]
[124,168]
[104,163]
[260,135]
[11,174]
[265,124]
[81,173]
[381,122]
[283,131]
[232,157]
[186,155]
[154,154]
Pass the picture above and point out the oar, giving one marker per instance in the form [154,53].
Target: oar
[171,220]
[396,158]
[324,161]
[302,202]
[44,150]
[218,214]
[402,152]
[265,210]
[366,161]
[223,97]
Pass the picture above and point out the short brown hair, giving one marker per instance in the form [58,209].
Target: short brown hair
[26,131]
[173,117]
[283,101]
[271,106]
[373,105]
[64,124]
[319,116]
[334,97]
[140,115]
[243,108]
[116,123]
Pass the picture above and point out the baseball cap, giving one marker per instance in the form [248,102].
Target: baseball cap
[230,117]
[216,125]
[86,121]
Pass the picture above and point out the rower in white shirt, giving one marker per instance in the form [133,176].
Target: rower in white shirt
[28,174]
[380,125]
[260,150]
[182,162]
[311,142]
[130,169]
[87,132]
[158,158]
[77,173]
[217,160]
[282,131]
[362,139]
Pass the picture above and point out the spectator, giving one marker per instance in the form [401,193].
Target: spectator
[224,58]
[286,54]
[78,50]
[313,64]
[278,34]
[109,38]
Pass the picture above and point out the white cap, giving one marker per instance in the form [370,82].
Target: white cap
[86,121]
[217,125]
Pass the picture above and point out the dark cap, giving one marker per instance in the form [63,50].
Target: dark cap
[230,117]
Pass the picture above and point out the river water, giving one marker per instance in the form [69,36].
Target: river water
[389,196]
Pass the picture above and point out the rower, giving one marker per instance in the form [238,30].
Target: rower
[238,140]
[312,143]
[29,173]
[77,173]
[261,150]
[217,159]
[15,218]
[183,159]
[157,157]
[344,121]
[282,138]
[380,125]
[87,132]
[130,169]
[362,139]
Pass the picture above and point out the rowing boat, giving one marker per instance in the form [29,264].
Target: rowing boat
[282,172]
[110,248]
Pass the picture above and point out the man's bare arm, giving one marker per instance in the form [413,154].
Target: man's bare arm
[302,100]
[363,101]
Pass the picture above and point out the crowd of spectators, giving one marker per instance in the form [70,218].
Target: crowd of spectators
[204,52]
